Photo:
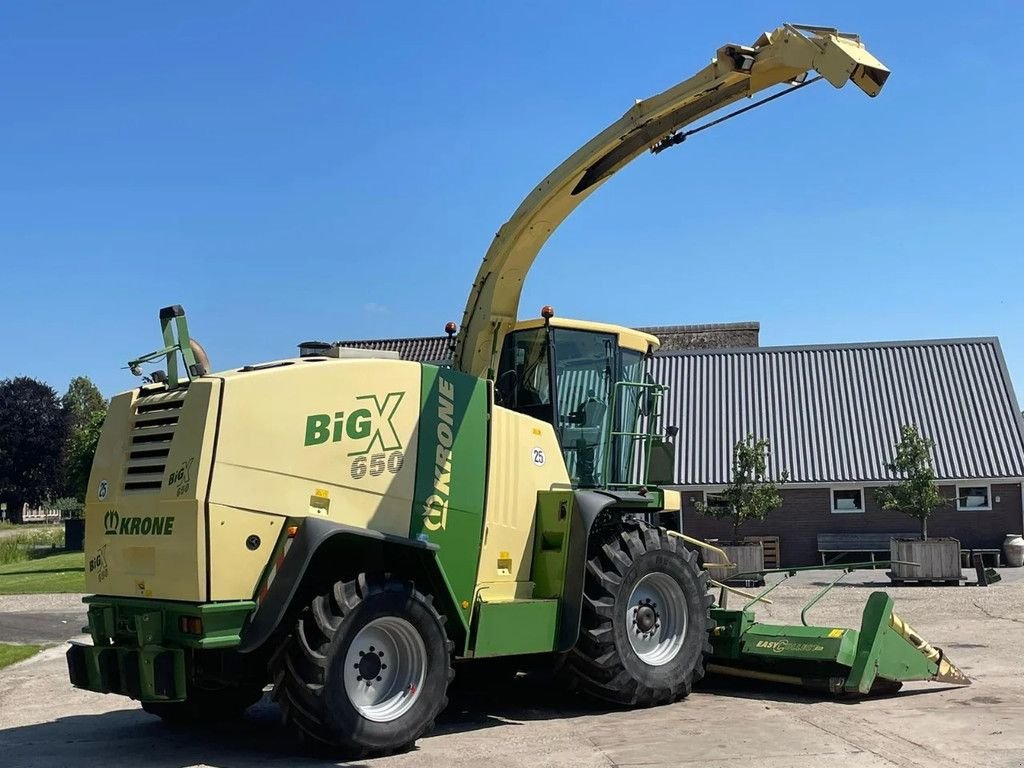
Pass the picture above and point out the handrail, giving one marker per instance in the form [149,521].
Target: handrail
[704,545]
[740,592]
[759,597]
[647,436]
[821,594]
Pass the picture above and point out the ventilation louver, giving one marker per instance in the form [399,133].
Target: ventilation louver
[153,428]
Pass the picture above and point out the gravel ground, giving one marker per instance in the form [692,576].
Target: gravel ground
[44,722]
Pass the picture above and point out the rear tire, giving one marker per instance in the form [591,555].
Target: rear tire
[644,634]
[366,668]
[206,705]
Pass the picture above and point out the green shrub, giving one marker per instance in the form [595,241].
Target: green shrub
[22,546]
[12,550]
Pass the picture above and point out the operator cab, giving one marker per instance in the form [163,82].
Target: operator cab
[588,380]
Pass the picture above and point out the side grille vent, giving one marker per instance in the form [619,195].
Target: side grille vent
[153,428]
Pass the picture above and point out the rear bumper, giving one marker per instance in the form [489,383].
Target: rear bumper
[154,673]
[141,649]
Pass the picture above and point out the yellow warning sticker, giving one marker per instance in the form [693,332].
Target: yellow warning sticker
[504,565]
[837,633]
[323,493]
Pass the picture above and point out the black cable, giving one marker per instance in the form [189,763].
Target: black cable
[680,137]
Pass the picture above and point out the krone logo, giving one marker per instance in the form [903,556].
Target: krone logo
[116,525]
[435,508]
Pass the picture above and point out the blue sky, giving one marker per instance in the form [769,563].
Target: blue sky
[336,170]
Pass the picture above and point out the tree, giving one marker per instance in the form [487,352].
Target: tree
[916,494]
[81,402]
[33,430]
[750,495]
[78,455]
[84,410]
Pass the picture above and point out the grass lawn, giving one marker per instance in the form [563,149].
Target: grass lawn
[9,654]
[60,572]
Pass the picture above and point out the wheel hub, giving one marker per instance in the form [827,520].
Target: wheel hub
[656,618]
[645,618]
[384,670]
[370,665]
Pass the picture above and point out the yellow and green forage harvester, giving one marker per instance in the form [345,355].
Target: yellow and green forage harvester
[345,527]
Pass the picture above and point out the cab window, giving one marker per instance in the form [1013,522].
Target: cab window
[585,368]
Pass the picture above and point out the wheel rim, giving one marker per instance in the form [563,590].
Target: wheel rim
[384,669]
[656,619]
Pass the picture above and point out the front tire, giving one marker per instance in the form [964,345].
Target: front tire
[644,633]
[366,668]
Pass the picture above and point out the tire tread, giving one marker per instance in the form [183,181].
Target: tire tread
[595,667]
[299,666]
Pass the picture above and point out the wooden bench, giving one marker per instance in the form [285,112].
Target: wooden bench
[847,543]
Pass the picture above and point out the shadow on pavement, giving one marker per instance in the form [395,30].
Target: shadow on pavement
[33,571]
[782,693]
[132,737]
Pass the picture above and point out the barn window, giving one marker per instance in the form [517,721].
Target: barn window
[847,500]
[716,504]
[973,497]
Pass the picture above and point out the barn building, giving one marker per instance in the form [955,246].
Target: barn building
[832,415]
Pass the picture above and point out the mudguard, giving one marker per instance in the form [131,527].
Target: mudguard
[590,504]
[313,534]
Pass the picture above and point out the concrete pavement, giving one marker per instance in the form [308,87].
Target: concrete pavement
[43,722]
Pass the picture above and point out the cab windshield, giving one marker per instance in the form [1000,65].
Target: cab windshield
[590,409]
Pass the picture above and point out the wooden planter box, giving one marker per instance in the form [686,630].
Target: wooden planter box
[748,557]
[938,561]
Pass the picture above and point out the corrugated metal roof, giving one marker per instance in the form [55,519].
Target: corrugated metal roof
[420,349]
[434,349]
[832,414]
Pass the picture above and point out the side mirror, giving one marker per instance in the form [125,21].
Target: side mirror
[661,470]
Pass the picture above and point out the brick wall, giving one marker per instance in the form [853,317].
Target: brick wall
[806,512]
